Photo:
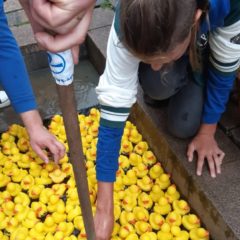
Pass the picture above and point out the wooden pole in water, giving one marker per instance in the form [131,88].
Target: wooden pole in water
[70,117]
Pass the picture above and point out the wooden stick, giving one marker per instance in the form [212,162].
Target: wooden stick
[70,118]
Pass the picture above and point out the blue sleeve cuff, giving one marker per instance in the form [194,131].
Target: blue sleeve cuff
[108,147]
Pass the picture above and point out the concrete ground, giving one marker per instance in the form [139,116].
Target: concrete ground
[216,201]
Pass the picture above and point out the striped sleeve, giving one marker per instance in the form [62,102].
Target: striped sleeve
[117,88]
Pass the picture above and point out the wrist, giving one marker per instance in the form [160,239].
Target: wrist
[207,129]
[105,196]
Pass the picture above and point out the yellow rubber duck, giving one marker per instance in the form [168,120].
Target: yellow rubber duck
[123,162]
[199,234]
[179,234]
[145,183]
[126,133]
[127,217]
[8,208]
[148,236]
[144,200]
[27,182]
[93,130]
[59,188]
[133,190]
[4,180]
[118,184]
[49,224]
[172,194]
[125,231]
[134,159]
[20,212]
[57,176]
[163,181]
[155,171]
[126,147]
[66,228]
[174,219]
[23,144]
[141,170]
[163,207]
[12,224]
[190,221]
[91,154]
[128,203]
[21,233]
[25,161]
[78,223]
[117,212]
[18,174]
[94,114]
[141,148]
[76,211]
[156,193]
[31,220]
[130,178]
[35,191]
[142,227]
[8,168]
[141,214]
[181,206]
[156,220]
[39,208]
[149,158]
[165,232]
[45,194]
[135,137]
[22,198]
[132,236]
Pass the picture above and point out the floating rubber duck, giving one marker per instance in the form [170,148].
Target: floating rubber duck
[155,171]
[12,224]
[141,148]
[57,176]
[144,200]
[125,231]
[59,188]
[4,180]
[190,221]
[134,159]
[133,190]
[27,182]
[118,184]
[145,183]
[135,137]
[132,236]
[126,133]
[117,212]
[6,147]
[165,232]
[35,191]
[94,114]
[8,168]
[76,211]
[148,236]
[39,208]
[25,161]
[156,193]
[172,194]
[31,220]
[13,188]
[127,217]
[141,170]
[174,219]
[21,233]
[20,212]
[142,227]
[93,130]
[179,234]
[156,220]
[91,154]
[22,198]
[149,158]
[181,206]
[199,234]
[45,194]
[37,231]
[49,224]
[66,228]
[64,159]
[141,213]
[128,203]
[123,162]
[8,208]
[23,144]
[163,181]
[126,147]
[130,177]
[163,207]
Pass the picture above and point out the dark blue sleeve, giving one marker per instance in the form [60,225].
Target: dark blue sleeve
[108,146]
[13,74]
[219,86]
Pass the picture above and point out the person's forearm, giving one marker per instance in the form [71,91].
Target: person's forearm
[31,120]
[104,195]
[208,129]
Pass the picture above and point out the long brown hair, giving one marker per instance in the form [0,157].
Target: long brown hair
[152,27]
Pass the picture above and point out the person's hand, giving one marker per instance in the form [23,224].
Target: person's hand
[104,216]
[206,147]
[40,138]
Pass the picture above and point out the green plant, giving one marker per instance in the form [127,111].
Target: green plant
[107,4]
